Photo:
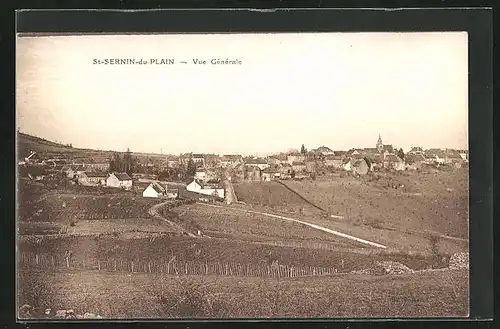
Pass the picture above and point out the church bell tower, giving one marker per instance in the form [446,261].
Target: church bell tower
[380,145]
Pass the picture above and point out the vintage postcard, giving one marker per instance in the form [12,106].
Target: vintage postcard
[219,176]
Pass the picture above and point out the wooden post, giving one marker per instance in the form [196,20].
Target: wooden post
[168,268]
[98,264]
[132,266]
[36,259]
[115,265]
[342,263]
[206,269]
[83,262]
[53,262]
[186,268]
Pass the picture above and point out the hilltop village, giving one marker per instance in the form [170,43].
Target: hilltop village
[204,173]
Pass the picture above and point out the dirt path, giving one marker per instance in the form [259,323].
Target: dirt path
[230,195]
[321,228]
[153,211]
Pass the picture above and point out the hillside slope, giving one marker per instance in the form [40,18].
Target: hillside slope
[48,149]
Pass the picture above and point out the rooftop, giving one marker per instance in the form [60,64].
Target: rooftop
[122,176]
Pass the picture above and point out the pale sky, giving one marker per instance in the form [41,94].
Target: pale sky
[334,89]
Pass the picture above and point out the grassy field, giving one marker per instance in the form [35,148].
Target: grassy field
[425,202]
[112,295]
[226,222]
[272,195]
[63,208]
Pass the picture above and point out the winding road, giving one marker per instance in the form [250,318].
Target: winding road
[321,228]
[153,211]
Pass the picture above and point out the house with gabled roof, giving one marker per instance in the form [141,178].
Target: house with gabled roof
[207,188]
[154,190]
[416,150]
[92,178]
[119,180]
[324,150]
[352,152]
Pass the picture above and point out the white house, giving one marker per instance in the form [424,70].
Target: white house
[154,190]
[324,150]
[121,180]
[214,189]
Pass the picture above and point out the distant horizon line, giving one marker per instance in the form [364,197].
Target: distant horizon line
[225,153]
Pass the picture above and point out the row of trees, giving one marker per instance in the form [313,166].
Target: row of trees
[124,163]
[127,163]
[182,172]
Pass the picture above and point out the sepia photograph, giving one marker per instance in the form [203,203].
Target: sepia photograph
[242,175]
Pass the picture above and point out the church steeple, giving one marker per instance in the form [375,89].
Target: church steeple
[380,145]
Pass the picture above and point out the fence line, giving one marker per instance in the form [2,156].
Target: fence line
[173,267]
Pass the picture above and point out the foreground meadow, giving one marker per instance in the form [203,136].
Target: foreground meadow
[112,295]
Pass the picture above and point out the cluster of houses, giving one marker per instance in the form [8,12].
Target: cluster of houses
[355,161]
[207,179]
